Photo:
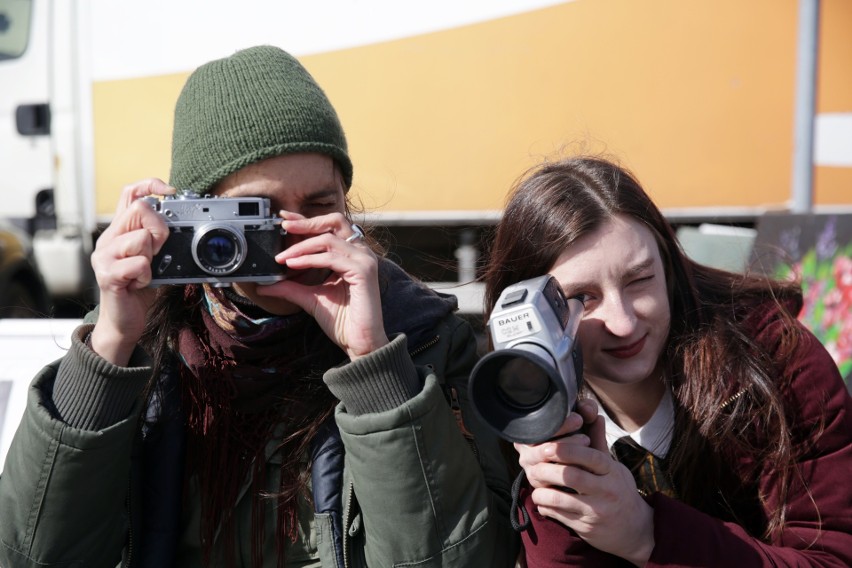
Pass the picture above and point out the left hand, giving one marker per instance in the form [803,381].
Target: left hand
[347,305]
[606,511]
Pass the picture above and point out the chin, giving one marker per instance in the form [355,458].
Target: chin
[624,374]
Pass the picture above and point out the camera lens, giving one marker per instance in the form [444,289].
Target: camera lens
[519,393]
[218,249]
[523,384]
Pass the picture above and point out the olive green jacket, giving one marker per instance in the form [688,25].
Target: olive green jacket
[415,491]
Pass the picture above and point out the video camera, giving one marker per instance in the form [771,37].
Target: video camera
[526,387]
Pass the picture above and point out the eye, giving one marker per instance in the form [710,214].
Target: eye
[322,205]
[581,296]
[642,279]
[587,298]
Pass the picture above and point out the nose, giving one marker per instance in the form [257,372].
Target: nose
[618,316]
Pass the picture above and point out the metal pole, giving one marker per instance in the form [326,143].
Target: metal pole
[803,126]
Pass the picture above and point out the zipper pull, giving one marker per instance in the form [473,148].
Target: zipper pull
[455,406]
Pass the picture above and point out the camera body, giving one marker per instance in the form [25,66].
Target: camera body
[525,388]
[219,240]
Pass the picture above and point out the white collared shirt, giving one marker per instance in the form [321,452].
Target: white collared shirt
[655,435]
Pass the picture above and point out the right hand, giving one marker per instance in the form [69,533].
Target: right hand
[580,429]
[603,508]
[122,266]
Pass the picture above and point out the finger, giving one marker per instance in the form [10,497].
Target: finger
[552,451]
[124,261]
[290,215]
[572,423]
[140,215]
[573,516]
[554,501]
[596,431]
[138,243]
[563,477]
[127,273]
[142,188]
[334,223]
[544,474]
[353,263]
[588,409]
[133,243]
[589,459]
[552,467]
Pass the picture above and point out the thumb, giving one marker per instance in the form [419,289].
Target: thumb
[596,430]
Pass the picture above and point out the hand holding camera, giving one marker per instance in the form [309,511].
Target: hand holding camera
[334,277]
[122,265]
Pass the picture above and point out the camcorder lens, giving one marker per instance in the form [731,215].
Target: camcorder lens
[218,250]
[523,384]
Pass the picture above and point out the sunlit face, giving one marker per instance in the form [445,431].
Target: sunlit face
[308,184]
[625,324]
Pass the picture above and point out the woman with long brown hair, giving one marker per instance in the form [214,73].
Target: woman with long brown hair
[728,422]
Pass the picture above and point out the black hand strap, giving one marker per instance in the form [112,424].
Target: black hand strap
[517,506]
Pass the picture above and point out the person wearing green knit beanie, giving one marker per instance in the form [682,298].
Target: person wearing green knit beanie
[321,420]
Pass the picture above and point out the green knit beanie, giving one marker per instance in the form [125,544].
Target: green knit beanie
[256,104]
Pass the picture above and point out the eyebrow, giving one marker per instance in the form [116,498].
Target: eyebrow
[321,193]
[640,267]
[631,272]
[314,194]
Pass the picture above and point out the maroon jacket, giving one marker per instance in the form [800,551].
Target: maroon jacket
[818,528]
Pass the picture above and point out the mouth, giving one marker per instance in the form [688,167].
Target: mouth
[627,351]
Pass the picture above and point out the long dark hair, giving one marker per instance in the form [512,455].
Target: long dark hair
[302,403]
[725,385]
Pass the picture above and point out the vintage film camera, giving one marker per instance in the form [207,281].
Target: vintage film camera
[525,388]
[219,240]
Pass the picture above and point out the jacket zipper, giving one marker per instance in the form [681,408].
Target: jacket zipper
[733,398]
[455,406]
[424,346]
[347,562]
[129,560]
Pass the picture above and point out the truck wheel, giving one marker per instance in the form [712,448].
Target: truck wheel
[19,302]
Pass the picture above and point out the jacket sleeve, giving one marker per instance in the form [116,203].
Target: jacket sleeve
[422,495]
[64,484]
[818,525]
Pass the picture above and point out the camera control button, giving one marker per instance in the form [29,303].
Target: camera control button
[514,297]
[164,263]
